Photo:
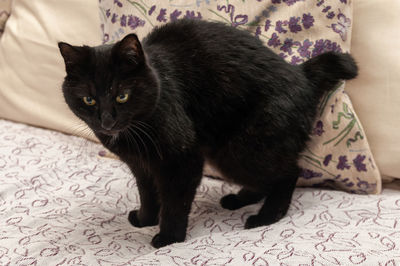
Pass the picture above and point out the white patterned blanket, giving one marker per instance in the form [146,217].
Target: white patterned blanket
[62,204]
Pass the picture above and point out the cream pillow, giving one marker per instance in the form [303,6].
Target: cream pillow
[5,6]
[376,92]
[31,68]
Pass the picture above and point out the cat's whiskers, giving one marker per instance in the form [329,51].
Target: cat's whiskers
[137,124]
[141,140]
[82,130]
[131,139]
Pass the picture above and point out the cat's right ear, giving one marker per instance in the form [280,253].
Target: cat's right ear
[130,50]
[72,54]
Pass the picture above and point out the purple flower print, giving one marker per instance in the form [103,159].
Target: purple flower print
[321,46]
[265,13]
[348,184]
[358,162]
[134,22]
[326,9]
[276,1]
[303,49]
[333,46]
[362,184]
[343,163]
[175,14]
[258,31]
[308,174]
[151,10]
[123,21]
[291,2]
[319,128]
[294,24]
[108,13]
[287,46]
[119,4]
[343,1]
[272,8]
[192,15]
[331,15]
[161,16]
[296,60]
[308,21]
[279,28]
[114,18]
[267,25]
[282,55]
[327,159]
[274,41]
[320,2]
[256,20]
[342,26]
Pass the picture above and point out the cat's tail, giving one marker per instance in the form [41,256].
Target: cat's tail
[326,70]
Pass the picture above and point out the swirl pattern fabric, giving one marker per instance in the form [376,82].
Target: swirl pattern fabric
[62,203]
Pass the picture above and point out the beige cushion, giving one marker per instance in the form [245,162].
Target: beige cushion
[31,68]
[5,6]
[376,92]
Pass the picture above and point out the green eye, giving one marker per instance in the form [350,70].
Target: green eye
[89,100]
[122,98]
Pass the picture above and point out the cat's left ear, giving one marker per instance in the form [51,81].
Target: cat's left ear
[73,55]
[130,49]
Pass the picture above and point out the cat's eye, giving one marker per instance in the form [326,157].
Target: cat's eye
[89,100]
[122,98]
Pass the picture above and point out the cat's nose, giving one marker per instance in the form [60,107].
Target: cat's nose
[107,121]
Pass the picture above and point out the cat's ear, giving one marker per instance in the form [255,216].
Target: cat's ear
[130,49]
[73,55]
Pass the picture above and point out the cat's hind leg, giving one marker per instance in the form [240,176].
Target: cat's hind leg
[266,166]
[277,201]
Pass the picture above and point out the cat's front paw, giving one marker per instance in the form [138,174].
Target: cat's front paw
[230,202]
[135,221]
[160,240]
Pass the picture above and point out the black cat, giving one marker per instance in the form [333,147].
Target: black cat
[196,90]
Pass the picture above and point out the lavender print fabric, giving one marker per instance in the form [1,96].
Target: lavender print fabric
[338,154]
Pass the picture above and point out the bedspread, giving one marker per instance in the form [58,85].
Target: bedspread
[63,204]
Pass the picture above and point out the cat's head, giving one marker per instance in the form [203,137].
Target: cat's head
[109,86]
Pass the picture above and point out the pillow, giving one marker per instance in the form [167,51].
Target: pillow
[31,68]
[376,92]
[5,8]
[338,154]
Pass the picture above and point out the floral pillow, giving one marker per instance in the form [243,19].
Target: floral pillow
[338,154]
[5,8]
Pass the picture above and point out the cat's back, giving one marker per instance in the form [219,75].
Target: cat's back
[212,37]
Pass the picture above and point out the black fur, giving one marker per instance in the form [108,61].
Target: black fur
[201,90]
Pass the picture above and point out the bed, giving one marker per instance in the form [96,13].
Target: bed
[63,203]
